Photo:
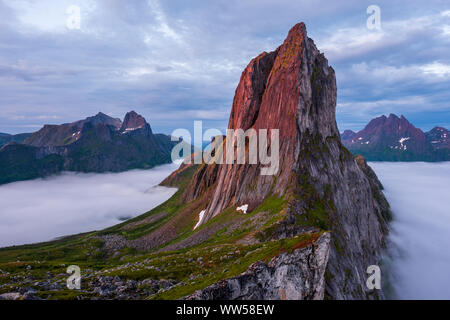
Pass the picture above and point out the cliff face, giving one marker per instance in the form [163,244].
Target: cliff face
[295,276]
[291,89]
[294,90]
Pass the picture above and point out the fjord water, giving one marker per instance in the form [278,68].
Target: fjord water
[70,203]
[419,194]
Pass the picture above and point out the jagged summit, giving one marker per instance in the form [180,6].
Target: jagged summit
[439,137]
[96,144]
[293,89]
[394,138]
[133,121]
[278,90]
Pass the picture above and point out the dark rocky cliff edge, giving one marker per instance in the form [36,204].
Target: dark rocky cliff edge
[294,90]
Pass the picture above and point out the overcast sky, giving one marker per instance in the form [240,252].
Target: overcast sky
[176,61]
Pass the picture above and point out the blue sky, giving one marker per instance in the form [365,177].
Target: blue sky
[177,61]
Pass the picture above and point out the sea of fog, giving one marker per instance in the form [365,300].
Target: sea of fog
[70,203]
[419,194]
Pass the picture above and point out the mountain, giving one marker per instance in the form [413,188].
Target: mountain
[396,139]
[309,230]
[294,89]
[60,135]
[7,138]
[439,138]
[96,144]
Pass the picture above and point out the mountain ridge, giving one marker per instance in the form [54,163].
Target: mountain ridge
[394,138]
[7,138]
[95,144]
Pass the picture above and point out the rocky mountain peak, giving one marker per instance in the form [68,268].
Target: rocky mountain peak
[394,138]
[348,134]
[101,118]
[293,89]
[133,121]
[439,137]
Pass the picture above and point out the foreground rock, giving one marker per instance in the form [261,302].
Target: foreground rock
[289,276]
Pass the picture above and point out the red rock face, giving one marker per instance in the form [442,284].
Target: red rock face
[276,91]
[268,93]
[279,105]
[249,93]
[133,121]
[318,178]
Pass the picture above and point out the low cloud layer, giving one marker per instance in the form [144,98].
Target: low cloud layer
[43,209]
[420,233]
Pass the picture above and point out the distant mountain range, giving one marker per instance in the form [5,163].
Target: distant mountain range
[6,138]
[95,144]
[394,138]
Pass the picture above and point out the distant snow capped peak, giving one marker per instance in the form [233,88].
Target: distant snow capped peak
[394,138]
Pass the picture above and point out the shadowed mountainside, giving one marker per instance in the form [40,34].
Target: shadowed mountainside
[96,144]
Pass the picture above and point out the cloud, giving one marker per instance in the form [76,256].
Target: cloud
[43,209]
[164,58]
[420,259]
[437,69]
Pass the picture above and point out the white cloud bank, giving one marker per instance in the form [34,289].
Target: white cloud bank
[42,209]
[419,194]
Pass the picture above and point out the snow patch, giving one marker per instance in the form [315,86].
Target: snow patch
[132,129]
[402,146]
[200,218]
[243,208]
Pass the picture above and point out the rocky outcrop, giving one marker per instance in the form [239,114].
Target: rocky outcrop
[289,276]
[294,90]
[132,122]
[396,139]
[291,89]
